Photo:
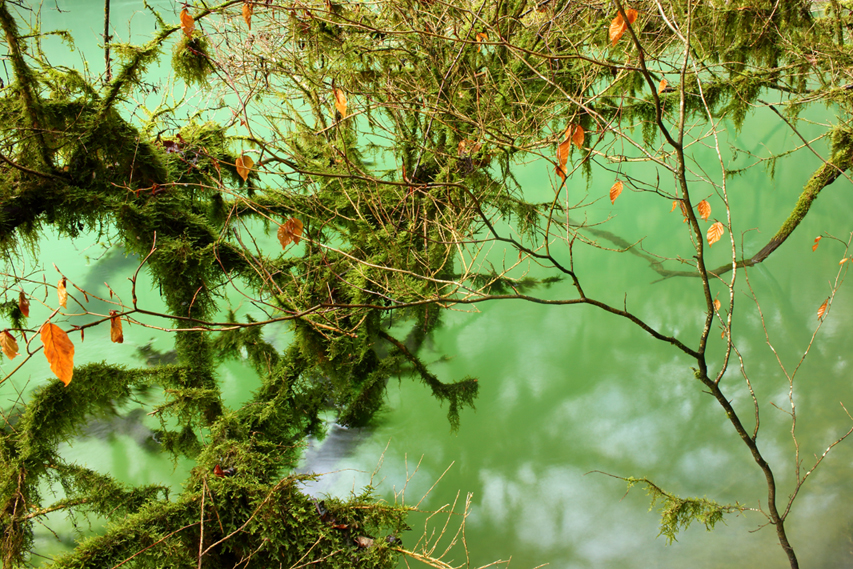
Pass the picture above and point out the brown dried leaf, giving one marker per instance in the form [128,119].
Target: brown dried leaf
[290,230]
[674,205]
[618,26]
[341,102]
[615,190]
[24,304]
[816,243]
[115,327]
[187,23]
[481,37]
[822,310]
[716,305]
[62,293]
[244,166]
[704,210]
[59,351]
[684,212]
[248,10]
[662,85]
[9,344]
[715,232]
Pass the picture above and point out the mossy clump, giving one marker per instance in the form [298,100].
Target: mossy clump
[191,60]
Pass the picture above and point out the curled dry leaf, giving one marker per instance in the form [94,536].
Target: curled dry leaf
[341,102]
[618,26]
[822,310]
[58,350]
[481,37]
[290,230]
[248,10]
[9,344]
[24,304]
[715,232]
[816,243]
[716,305]
[244,166]
[662,85]
[187,23]
[115,327]
[842,261]
[674,205]
[704,209]
[615,190]
[62,293]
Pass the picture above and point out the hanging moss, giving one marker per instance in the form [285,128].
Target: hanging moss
[191,60]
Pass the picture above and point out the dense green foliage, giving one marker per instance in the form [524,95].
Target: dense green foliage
[400,199]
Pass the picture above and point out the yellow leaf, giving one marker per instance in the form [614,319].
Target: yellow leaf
[24,304]
[816,243]
[341,102]
[704,209]
[62,293]
[618,26]
[715,232]
[115,327]
[615,190]
[187,23]
[822,310]
[290,230]
[59,351]
[244,166]
[248,10]
[716,305]
[9,344]
[662,85]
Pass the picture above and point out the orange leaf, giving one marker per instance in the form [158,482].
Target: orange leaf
[684,212]
[341,102]
[62,293]
[577,135]
[662,85]
[618,26]
[822,310]
[481,37]
[715,232]
[187,23]
[562,157]
[674,205]
[244,166]
[59,351]
[248,10]
[290,230]
[9,344]
[24,304]
[615,190]
[115,327]
[704,209]
[716,304]
[842,261]
[816,243]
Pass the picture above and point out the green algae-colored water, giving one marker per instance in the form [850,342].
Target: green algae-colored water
[567,392]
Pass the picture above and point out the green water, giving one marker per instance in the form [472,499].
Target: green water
[566,391]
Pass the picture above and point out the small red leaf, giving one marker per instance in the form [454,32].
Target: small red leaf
[816,243]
